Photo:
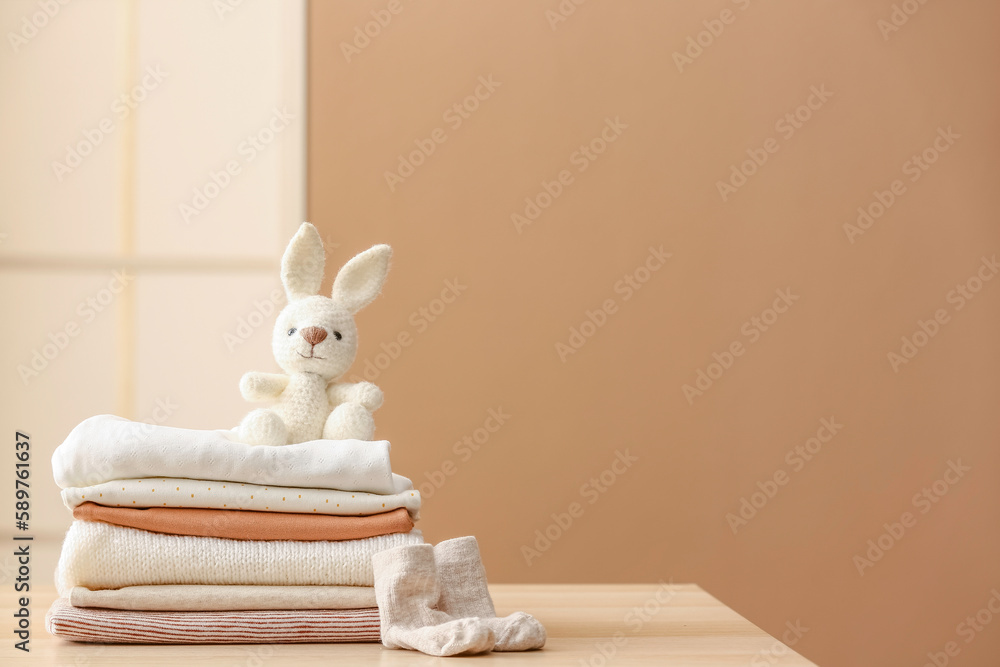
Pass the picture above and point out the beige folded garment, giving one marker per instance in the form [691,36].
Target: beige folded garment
[224,598]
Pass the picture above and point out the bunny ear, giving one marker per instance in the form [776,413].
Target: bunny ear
[302,263]
[361,279]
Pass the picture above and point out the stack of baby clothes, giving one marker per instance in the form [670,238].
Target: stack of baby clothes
[184,536]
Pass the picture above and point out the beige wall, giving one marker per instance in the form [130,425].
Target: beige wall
[495,345]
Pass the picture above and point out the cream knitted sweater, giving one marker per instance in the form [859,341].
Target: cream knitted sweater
[98,555]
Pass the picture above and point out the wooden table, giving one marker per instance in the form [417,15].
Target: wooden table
[597,625]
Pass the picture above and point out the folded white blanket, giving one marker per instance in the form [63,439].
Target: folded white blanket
[98,555]
[172,492]
[106,447]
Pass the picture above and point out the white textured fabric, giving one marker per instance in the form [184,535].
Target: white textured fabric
[106,447]
[224,598]
[98,555]
[172,492]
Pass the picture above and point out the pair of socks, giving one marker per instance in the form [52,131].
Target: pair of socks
[435,599]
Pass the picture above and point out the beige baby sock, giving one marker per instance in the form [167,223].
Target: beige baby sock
[462,579]
[407,592]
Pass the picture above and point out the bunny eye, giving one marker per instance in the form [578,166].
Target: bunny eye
[291,331]
[337,335]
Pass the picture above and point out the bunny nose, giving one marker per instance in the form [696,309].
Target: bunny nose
[313,335]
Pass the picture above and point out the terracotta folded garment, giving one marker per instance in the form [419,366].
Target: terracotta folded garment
[108,626]
[248,525]
[224,598]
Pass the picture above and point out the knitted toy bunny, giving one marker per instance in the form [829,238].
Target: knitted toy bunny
[315,342]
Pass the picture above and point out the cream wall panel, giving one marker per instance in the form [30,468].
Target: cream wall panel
[56,90]
[231,95]
[196,336]
[62,328]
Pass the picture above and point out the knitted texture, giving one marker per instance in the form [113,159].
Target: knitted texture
[108,626]
[98,555]
[224,598]
[464,592]
[106,448]
[244,525]
[172,492]
[407,591]
[314,342]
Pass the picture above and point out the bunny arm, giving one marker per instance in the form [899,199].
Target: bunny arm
[262,386]
[364,393]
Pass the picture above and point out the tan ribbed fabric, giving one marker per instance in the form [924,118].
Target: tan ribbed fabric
[248,525]
[110,626]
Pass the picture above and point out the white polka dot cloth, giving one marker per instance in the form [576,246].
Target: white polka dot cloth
[173,492]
